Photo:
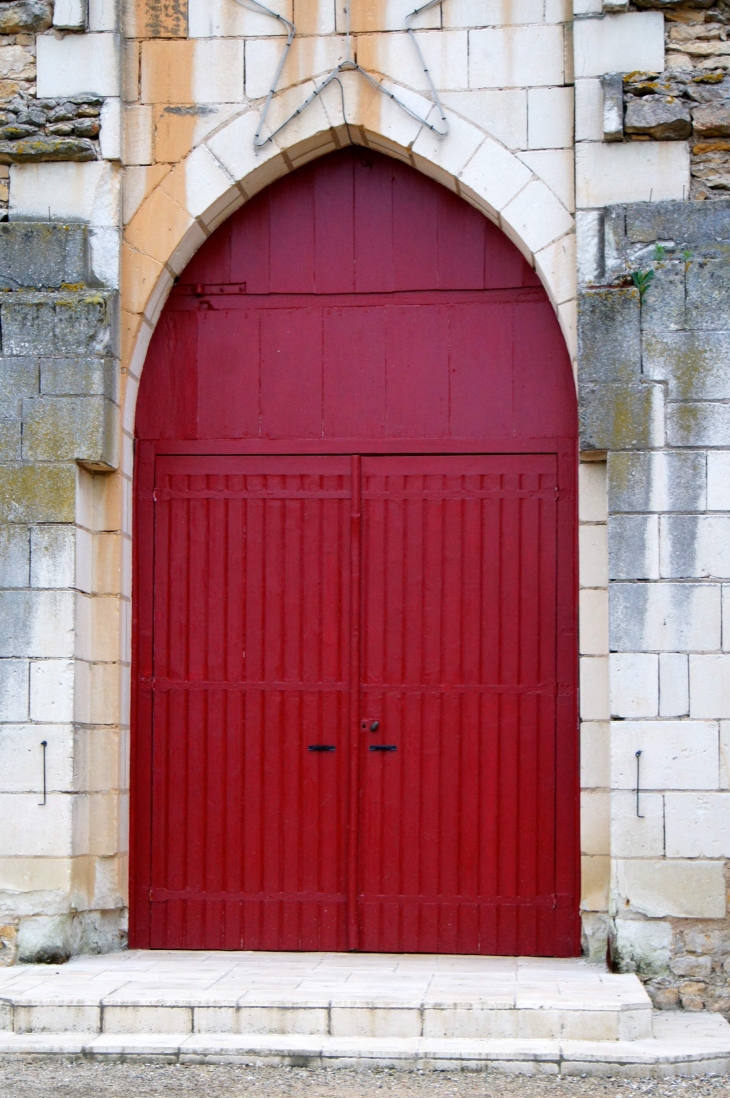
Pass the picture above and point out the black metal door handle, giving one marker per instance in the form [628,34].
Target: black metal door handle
[321,747]
[383,747]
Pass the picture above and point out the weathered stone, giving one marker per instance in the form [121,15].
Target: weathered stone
[70,428]
[82,326]
[19,378]
[47,327]
[633,547]
[64,113]
[16,63]
[663,309]
[692,988]
[708,293]
[706,940]
[667,617]
[8,946]
[42,256]
[9,440]
[692,1002]
[620,416]
[594,938]
[61,129]
[37,493]
[161,18]
[87,98]
[693,363]
[641,946]
[33,117]
[47,148]
[612,85]
[16,130]
[663,117]
[686,223]
[695,423]
[25,17]
[713,170]
[667,998]
[609,337]
[691,966]
[14,556]
[669,481]
[87,127]
[79,377]
[712,120]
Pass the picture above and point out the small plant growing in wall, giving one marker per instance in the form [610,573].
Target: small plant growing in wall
[642,280]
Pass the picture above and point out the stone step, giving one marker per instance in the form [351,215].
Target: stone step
[338,996]
[682,1045]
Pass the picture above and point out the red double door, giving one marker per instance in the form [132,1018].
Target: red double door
[354,607]
[355,703]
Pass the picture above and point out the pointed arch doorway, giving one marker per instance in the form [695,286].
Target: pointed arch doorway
[354,681]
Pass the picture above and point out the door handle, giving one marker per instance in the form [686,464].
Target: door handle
[321,747]
[370,726]
[383,747]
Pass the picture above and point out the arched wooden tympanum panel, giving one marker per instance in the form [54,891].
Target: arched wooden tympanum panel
[354,598]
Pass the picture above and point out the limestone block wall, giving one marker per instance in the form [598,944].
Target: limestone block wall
[654,387]
[61,879]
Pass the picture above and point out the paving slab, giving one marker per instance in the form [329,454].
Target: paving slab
[359,996]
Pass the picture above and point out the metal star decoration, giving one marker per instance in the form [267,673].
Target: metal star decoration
[348,65]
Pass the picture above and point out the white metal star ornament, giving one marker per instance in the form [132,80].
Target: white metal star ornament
[348,65]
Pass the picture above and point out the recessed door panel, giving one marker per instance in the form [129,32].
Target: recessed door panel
[250,682]
[457,791]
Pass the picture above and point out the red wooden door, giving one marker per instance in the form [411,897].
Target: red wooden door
[457,834]
[250,672]
[355,502]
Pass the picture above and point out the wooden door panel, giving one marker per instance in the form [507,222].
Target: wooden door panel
[459,612]
[251,668]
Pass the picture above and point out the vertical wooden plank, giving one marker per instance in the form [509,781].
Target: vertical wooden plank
[481,348]
[168,388]
[291,232]
[334,227]
[415,250]
[354,372]
[291,373]
[417,372]
[374,245]
[230,408]
[250,247]
[354,721]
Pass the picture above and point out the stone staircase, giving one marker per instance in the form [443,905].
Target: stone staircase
[478,1013]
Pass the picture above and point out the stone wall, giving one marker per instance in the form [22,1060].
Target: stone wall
[688,101]
[654,388]
[60,887]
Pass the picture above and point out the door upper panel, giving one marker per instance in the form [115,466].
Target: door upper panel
[357,300]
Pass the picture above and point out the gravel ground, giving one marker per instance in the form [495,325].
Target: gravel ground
[55,1079]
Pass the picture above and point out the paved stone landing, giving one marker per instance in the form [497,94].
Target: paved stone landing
[520,1014]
